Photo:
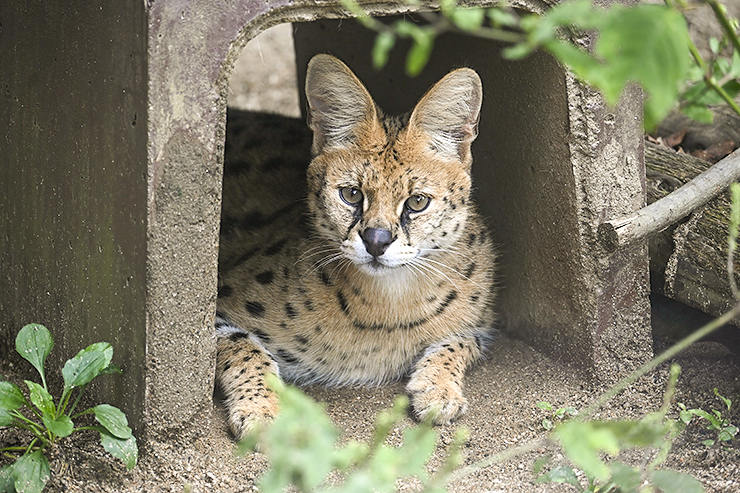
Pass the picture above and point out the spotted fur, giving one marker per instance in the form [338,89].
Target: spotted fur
[374,268]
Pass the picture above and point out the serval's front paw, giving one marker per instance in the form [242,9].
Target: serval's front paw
[436,395]
[249,410]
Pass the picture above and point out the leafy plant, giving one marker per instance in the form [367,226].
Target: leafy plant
[48,421]
[646,44]
[555,415]
[717,80]
[724,430]
[584,442]
[301,445]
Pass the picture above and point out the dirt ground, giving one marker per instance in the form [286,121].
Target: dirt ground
[503,391]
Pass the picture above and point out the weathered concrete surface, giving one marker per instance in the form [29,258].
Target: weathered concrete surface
[73,116]
[111,190]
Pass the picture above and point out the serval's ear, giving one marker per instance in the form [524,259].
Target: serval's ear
[448,114]
[339,106]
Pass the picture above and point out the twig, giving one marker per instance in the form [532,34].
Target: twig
[724,22]
[678,204]
[502,456]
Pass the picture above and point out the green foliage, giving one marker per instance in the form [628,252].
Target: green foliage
[555,415]
[715,80]
[723,429]
[49,421]
[301,445]
[646,44]
[586,443]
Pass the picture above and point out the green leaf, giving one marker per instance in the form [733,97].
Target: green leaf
[735,67]
[540,463]
[560,474]
[6,419]
[727,433]
[627,478]
[517,52]
[727,401]
[299,442]
[122,449]
[31,472]
[110,370]
[583,442]
[41,398]
[699,113]
[420,51]
[645,44]
[714,45]
[501,17]
[668,480]
[61,426]
[686,416]
[468,19]
[384,43]
[113,420]
[544,405]
[11,397]
[34,343]
[714,423]
[87,364]
[7,479]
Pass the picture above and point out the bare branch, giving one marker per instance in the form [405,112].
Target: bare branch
[666,211]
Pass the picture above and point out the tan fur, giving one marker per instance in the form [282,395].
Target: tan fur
[317,305]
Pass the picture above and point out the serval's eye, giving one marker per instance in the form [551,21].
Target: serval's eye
[417,203]
[351,195]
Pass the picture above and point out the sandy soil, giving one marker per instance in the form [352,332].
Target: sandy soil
[503,391]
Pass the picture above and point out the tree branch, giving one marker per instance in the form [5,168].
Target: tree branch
[664,212]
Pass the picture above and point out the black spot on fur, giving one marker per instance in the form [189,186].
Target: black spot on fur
[469,271]
[290,311]
[246,256]
[265,277]
[309,305]
[255,308]
[301,340]
[286,356]
[451,296]
[237,336]
[390,328]
[342,302]
[262,337]
[276,247]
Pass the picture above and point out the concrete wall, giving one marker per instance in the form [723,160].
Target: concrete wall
[73,157]
[111,189]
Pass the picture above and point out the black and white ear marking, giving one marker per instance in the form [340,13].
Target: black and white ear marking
[339,106]
[449,112]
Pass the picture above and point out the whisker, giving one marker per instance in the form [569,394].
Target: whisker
[421,263]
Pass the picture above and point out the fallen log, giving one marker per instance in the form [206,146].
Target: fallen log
[688,260]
